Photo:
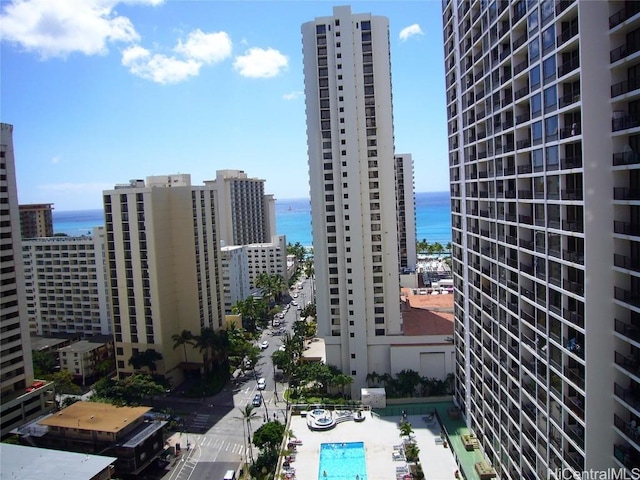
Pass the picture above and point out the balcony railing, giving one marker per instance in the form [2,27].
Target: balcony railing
[623,51]
[627,296]
[569,99]
[571,162]
[624,87]
[630,263]
[567,34]
[630,331]
[627,455]
[572,226]
[562,5]
[626,158]
[570,131]
[620,193]
[574,287]
[629,10]
[572,194]
[568,66]
[627,395]
[625,122]
[572,256]
[626,228]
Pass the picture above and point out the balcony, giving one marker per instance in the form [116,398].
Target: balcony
[567,34]
[575,375]
[627,455]
[575,318]
[624,87]
[573,256]
[568,66]
[518,42]
[523,143]
[627,395]
[629,363]
[568,132]
[623,51]
[573,287]
[520,67]
[627,296]
[623,261]
[624,122]
[626,228]
[562,5]
[626,158]
[571,162]
[630,9]
[620,193]
[572,194]
[630,331]
[576,433]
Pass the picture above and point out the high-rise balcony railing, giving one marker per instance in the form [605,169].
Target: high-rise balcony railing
[572,194]
[573,256]
[571,162]
[621,193]
[569,99]
[625,122]
[629,363]
[626,228]
[627,395]
[568,66]
[629,10]
[624,87]
[562,5]
[623,51]
[575,375]
[630,331]
[573,226]
[570,131]
[567,34]
[574,287]
[623,261]
[626,158]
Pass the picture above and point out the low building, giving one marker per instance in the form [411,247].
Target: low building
[92,427]
[235,275]
[33,463]
[81,359]
[270,258]
[25,404]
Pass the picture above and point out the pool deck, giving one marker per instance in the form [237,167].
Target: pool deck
[379,435]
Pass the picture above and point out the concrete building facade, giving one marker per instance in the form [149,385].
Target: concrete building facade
[247,214]
[406,210]
[164,267]
[235,275]
[542,106]
[353,189]
[85,359]
[270,258]
[19,401]
[36,220]
[66,284]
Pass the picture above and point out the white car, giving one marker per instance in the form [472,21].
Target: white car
[294,303]
[282,349]
[276,323]
[262,383]
[295,295]
[264,345]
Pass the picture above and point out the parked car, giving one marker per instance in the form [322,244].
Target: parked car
[264,345]
[262,383]
[257,400]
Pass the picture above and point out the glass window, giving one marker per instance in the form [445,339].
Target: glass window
[534,50]
[553,158]
[534,77]
[536,105]
[537,160]
[550,99]
[536,133]
[532,21]
[549,68]
[321,29]
[553,187]
[551,128]
[548,39]
[546,10]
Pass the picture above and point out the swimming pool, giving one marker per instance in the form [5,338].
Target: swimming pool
[342,461]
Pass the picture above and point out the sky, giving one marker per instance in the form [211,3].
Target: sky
[103,91]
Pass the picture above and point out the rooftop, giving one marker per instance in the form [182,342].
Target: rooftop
[427,314]
[95,416]
[83,346]
[31,463]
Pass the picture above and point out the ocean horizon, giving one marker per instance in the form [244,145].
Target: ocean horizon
[293,219]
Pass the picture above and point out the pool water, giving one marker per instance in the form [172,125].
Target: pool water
[342,461]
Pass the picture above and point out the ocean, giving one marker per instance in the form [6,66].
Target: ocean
[293,219]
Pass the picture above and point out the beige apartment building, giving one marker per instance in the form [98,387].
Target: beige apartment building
[164,267]
[36,220]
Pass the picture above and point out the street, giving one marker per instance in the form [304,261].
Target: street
[215,430]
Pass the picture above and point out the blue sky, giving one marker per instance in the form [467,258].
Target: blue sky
[103,91]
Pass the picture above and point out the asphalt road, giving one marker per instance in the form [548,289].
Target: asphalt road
[216,432]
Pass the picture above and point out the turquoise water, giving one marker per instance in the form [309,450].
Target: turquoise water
[293,219]
[342,461]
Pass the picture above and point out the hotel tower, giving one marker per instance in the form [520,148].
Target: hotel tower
[353,189]
[543,106]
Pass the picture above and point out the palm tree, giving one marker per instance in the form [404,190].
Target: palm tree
[449,247]
[248,414]
[373,378]
[405,429]
[183,339]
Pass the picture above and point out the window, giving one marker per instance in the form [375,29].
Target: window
[534,77]
[553,158]
[550,99]
[534,50]
[536,133]
[549,69]
[532,21]
[536,105]
[320,29]
[366,25]
[548,39]
[551,128]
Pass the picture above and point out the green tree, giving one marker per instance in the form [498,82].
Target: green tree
[44,363]
[68,401]
[183,339]
[146,358]
[132,390]
[105,367]
[253,311]
[308,311]
[269,436]
[407,382]
[405,429]
[298,251]
[247,414]
[63,381]
[283,361]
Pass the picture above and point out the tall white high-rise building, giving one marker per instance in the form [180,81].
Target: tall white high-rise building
[164,268]
[353,189]
[543,115]
[20,398]
[406,210]
[66,284]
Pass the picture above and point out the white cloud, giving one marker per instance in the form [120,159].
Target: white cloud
[56,28]
[293,95]
[206,47]
[55,160]
[410,31]
[260,63]
[158,68]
